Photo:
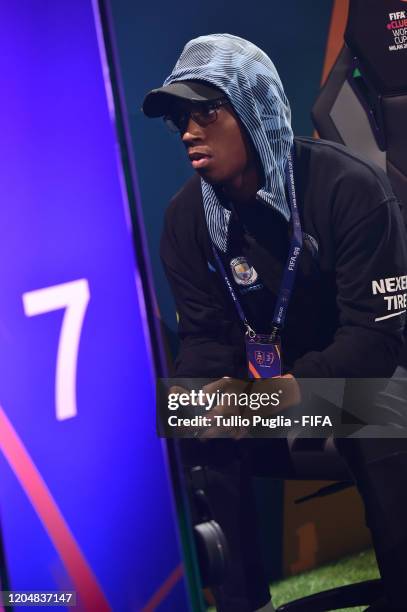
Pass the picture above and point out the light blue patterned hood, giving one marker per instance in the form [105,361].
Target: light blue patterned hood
[250,80]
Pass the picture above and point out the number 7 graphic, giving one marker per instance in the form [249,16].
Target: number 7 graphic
[74,297]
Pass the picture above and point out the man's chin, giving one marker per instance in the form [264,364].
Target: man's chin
[210,177]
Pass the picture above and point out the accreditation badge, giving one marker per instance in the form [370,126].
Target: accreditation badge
[263,356]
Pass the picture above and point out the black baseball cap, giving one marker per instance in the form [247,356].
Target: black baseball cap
[159,101]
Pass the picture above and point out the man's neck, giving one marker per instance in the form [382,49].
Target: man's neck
[243,188]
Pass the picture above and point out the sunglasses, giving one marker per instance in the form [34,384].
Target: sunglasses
[204,114]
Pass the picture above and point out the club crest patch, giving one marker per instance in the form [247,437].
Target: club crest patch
[264,358]
[243,274]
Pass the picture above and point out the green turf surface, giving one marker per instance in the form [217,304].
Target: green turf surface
[345,571]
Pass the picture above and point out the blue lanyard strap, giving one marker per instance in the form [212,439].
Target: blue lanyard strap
[290,270]
[229,286]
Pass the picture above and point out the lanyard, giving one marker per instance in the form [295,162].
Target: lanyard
[290,270]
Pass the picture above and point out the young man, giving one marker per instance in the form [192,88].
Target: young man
[291,238]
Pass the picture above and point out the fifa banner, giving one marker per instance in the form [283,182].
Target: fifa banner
[86,512]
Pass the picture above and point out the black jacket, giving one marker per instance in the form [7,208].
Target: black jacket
[345,317]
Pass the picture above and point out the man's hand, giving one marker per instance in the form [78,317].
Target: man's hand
[237,397]
[233,402]
[230,390]
[290,392]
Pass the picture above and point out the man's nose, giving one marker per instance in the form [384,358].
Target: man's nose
[193,131]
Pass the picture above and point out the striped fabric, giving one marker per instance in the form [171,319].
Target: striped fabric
[249,79]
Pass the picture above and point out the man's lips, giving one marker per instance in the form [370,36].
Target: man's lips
[199,158]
